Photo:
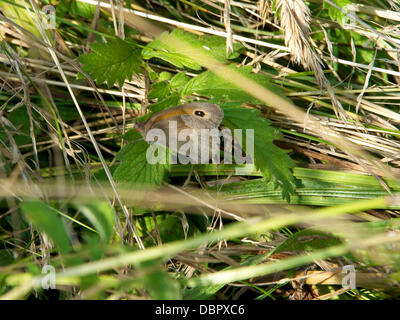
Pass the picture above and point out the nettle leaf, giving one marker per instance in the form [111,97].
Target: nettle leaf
[268,157]
[134,167]
[215,46]
[111,62]
[167,92]
[179,80]
[171,101]
[164,76]
[159,90]
[210,85]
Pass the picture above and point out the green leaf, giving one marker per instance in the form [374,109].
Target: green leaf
[171,228]
[18,125]
[6,258]
[202,293]
[308,239]
[101,215]
[179,80]
[336,14]
[134,167]
[159,90]
[171,101]
[164,76]
[210,85]
[215,46]
[111,62]
[46,219]
[159,284]
[268,157]
[81,9]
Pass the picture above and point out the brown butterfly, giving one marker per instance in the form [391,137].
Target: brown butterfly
[185,119]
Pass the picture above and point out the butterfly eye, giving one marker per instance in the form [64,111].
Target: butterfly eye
[199,113]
